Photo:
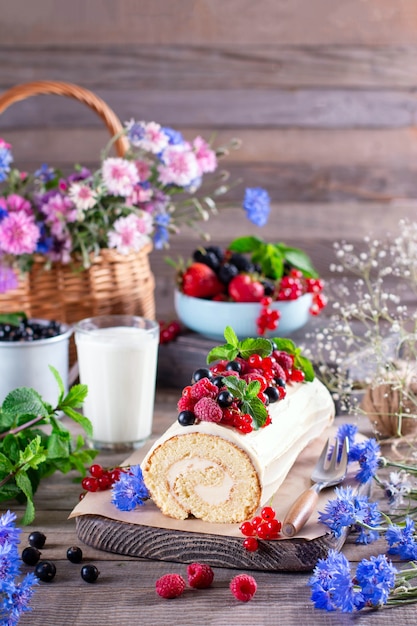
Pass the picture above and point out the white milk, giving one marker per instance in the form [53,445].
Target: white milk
[118,365]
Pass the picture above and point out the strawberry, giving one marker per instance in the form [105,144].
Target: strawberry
[244,288]
[200,281]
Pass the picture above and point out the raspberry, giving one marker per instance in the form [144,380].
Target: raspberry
[200,575]
[207,410]
[204,388]
[170,586]
[243,587]
[185,404]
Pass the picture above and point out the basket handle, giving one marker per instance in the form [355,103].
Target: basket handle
[40,87]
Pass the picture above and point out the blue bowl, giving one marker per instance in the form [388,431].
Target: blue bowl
[209,318]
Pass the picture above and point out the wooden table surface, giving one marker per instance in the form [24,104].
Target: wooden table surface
[125,591]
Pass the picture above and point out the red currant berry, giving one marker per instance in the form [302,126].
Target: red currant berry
[104,482]
[96,470]
[267,513]
[89,483]
[251,544]
[262,531]
[255,360]
[115,475]
[274,527]
[256,521]
[297,376]
[247,529]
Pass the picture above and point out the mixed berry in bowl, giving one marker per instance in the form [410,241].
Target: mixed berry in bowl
[16,327]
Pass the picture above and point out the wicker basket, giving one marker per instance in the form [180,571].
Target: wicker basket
[114,283]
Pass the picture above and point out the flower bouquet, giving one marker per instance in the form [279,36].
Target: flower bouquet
[93,231]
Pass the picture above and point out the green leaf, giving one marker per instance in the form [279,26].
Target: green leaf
[230,336]
[58,379]
[244,245]
[257,410]
[302,363]
[285,345]
[258,345]
[300,260]
[24,484]
[33,455]
[6,466]
[24,401]
[79,419]
[59,445]
[75,397]
[13,319]
[227,352]
[253,388]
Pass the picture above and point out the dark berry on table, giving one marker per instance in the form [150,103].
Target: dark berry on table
[269,287]
[31,555]
[272,393]
[37,539]
[234,366]
[218,381]
[202,372]
[89,573]
[226,272]
[186,418]
[45,571]
[74,554]
[242,263]
[225,399]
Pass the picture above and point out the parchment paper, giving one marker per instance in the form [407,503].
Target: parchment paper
[298,479]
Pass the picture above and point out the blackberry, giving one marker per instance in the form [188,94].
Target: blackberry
[226,272]
[30,330]
[242,263]
[269,287]
[217,251]
[201,255]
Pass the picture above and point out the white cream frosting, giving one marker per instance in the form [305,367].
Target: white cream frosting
[301,416]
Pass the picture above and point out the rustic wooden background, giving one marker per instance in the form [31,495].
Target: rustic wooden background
[322,93]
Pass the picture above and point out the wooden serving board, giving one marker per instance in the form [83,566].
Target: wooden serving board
[152,535]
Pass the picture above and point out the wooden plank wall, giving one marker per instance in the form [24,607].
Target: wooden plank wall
[321,92]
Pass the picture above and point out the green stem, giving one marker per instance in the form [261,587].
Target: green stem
[18,429]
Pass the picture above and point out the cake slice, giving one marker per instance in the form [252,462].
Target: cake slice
[241,426]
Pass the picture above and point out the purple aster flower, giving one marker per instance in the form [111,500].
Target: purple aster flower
[256,205]
[368,455]
[376,578]
[8,278]
[401,540]
[130,490]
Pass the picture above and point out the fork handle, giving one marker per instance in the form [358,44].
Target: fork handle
[300,512]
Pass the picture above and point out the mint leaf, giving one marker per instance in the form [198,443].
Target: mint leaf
[299,259]
[227,352]
[302,363]
[13,319]
[259,345]
[244,245]
[247,394]
[256,408]
[230,336]
[80,419]
[59,382]
[23,401]
[24,484]
[75,397]
[32,455]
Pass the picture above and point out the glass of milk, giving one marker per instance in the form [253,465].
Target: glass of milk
[117,360]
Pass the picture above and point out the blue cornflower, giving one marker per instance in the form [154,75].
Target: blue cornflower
[5,160]
[161,232]
[45,173]
[130,490]
[339,513]
[174,136]
[3,213]
[332,585]
[18,596]
[368,455]
[349,509]
[8,532]
[256,205]
[376,578]
[347,430]
[401,540]
[135,133]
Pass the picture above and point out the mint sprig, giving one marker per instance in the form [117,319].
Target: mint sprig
[271,257]
[247,393]
[28,453]
[233,347]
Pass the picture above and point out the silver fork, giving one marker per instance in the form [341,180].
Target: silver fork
[330,470]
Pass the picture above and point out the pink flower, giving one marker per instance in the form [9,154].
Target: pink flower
[4,144]
[148,137]
[8,278]
[119,176]
[18,234]
[18,203]
[83,197]
[59,210]
[61,250]
[206,157]
[144,171]
[139,196]
[130,233]
[179,167]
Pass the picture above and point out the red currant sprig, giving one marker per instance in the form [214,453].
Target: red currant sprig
[168,331]
[263,526]
[99,478]
[268,318]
